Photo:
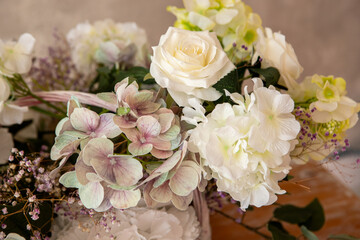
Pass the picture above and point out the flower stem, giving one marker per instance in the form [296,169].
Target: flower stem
[253,229]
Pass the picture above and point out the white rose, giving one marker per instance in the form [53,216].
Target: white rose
[276,52]
[188,64]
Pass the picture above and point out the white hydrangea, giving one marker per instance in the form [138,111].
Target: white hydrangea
[135,223]
[247,145]
[107,42]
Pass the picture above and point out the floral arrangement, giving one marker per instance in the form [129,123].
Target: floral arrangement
[129,144]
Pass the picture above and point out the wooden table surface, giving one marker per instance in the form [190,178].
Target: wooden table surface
[341,206]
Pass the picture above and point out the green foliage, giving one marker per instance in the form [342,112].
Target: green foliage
[312,216]
[342,237]
[292,214]
[229,83]
[278,232]
[317,218]
[288,178]
[308,234]
[107,78]
[270,75]
[16,223]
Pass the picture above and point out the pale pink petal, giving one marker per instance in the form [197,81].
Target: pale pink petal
[148,126]
[147,108]
[160,154]
[125,121]
[166,120]
[161,194]
[123,199]
[71,105]
[120,170]
[171,133]
[138,148]
[97,148]
[184,181]
[165,167]
[107,127]
[182,203]
[132,134]
[159,143]
[81,170]
[148,200]
[84,120]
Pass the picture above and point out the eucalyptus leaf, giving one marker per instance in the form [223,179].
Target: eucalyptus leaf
[308,234]
[292,214]
[312,216]
[342,237]
[317,219]
[278,232]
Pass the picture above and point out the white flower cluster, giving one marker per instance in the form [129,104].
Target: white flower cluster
[108,43]
[246,146]
[137,223]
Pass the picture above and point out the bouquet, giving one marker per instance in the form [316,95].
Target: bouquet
[108,140]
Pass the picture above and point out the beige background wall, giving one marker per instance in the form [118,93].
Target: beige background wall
[324,33]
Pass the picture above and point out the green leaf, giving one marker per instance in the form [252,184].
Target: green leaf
[308,234]
[342,237]
[288,178]
[317,219]
[292,214]
[229,82]
[312,216]
[278,232]
[271,75]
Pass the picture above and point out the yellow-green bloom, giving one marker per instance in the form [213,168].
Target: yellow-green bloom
[233,22]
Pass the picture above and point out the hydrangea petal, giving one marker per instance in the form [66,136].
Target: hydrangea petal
[161,194]
[91,194]
[182,203]
[138,149]
[184,181]
[84,120]
[107,127]
[123,199]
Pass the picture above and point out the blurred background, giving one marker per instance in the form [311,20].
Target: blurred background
[324,33]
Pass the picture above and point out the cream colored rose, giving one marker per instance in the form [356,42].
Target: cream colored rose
[188,64]
[276,52]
